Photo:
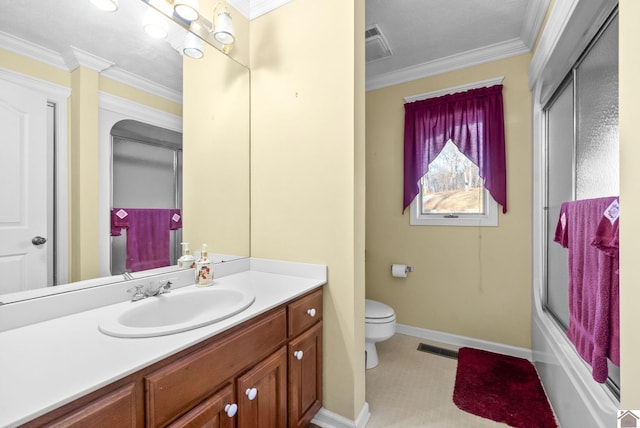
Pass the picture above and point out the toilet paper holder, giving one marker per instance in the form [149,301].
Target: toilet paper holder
[400,271]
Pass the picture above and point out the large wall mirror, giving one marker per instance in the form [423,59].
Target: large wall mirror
[94,71]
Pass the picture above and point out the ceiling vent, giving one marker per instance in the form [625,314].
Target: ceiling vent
[376,46]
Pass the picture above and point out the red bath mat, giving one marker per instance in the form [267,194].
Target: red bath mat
[501,388]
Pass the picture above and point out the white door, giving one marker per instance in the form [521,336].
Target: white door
[23,188]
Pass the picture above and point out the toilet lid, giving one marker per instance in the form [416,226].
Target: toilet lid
[377,310]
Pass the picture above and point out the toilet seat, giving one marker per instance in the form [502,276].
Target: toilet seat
[378,313]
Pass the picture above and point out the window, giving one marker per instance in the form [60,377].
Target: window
[452,193]
[454,144]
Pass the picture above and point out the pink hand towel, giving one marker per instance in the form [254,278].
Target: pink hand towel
[590,282]
[119,220]
[148,236]
[607,240]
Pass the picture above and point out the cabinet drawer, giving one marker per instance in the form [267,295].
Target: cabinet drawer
[117,409]
[179,386]
[305,312]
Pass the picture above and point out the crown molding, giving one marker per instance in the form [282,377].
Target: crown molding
[242,6]
[262,7]
[533,18]
[31,51]
[252,9]
[570,27]
[77,57]
[454,62]
[120,75]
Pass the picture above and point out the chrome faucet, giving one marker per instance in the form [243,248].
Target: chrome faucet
[164,287]
[139,293]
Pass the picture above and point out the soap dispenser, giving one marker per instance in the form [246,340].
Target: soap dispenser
[187,261]
[204,268]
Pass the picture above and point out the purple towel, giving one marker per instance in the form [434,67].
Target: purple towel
[591,282]
[119,220]
[148,235]
[607,240]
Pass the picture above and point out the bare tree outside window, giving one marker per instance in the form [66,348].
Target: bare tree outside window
[452,184]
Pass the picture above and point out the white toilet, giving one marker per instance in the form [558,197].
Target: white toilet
[380,324]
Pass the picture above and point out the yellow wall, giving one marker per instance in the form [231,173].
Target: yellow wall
[139,96]
[307,169]
[629,93]
[83,174]
[216,154]
[30,67]
[469,281]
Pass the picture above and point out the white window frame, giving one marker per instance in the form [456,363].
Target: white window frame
[490,217]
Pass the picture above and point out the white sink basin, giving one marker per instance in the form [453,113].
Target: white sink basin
[177,311]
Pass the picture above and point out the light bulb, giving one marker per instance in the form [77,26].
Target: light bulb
[106,5]
[155,24]
[224,29]
[187,9]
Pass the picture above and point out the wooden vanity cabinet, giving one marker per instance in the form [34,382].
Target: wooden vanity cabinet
[264,373]
[115,409]
[182,384]
[305,360]
[212,413]
[262,393]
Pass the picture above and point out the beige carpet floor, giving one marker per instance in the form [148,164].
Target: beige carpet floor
[413,389]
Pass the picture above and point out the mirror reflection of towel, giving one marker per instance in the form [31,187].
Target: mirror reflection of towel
[148,235]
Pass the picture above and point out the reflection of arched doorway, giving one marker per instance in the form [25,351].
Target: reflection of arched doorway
[146,171]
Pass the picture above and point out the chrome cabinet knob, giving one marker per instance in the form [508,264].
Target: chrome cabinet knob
[38,240]
[298,354]
[311,312]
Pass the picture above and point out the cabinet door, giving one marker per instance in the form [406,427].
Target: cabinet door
[217,411]
[262,393]
[179,386]
[305,376]
[117,409]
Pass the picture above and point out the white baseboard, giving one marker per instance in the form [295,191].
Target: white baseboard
[463,341]
[327,419]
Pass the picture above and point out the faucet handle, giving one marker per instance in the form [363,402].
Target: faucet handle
[138,293]
[165,286]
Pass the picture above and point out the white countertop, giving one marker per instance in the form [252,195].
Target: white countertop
[48,364]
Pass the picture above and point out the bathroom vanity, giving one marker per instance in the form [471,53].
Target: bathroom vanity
[263,364]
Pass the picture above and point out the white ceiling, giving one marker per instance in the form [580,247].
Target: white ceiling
[426,37]
[68,30]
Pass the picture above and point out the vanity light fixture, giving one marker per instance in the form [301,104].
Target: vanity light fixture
[223,27]
[106,5]
[187,9]
[155,24]
[193,46]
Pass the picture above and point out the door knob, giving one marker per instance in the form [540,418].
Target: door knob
[38,240]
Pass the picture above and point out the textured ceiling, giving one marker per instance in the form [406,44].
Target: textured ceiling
[116,37]
[426,37]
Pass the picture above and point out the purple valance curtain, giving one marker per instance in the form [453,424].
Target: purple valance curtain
[473,121]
